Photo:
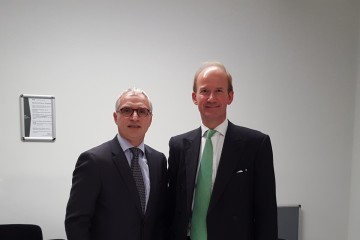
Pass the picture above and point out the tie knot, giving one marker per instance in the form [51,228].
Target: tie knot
[136,152]
[210,133]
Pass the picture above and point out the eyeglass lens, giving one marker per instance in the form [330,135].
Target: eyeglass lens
[141,112]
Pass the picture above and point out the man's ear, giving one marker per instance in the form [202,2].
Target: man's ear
[231,97]
[115,117]
[193,95]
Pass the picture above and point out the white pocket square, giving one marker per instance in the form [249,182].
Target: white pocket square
[242,170]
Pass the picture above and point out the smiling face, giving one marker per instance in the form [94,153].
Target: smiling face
[212,96]
[133,128]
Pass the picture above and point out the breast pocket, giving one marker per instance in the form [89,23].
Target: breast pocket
[241,171]
[240,181]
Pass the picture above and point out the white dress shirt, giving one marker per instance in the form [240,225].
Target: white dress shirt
[217,141]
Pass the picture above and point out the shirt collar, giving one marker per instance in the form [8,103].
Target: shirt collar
[221,129]
[125,145]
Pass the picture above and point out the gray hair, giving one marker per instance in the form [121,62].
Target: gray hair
[133,91]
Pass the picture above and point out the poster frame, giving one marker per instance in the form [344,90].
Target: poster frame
[44,116]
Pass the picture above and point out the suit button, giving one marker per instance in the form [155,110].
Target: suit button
[235,218]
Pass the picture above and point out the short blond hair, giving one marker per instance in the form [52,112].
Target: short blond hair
[206,65]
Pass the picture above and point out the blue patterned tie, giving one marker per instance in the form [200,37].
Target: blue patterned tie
[203,191]
[136,172]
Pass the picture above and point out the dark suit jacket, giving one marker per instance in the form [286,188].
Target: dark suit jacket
[243,201]
[104,203]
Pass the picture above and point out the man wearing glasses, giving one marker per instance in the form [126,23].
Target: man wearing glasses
[118,188]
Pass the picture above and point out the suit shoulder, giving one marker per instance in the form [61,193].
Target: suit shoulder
[100,148]
[188,134]
[153,150]
[246,133]
[102,151]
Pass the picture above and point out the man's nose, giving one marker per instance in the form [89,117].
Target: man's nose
[211,97]
[134,115]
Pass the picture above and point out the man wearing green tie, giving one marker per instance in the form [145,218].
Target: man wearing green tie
[221,176]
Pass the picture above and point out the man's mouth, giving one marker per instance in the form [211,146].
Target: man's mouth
[134,126]
[211,106]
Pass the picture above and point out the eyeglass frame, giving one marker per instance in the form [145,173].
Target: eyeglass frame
[148,112]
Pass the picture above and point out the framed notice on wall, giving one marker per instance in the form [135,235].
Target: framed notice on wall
[37,117]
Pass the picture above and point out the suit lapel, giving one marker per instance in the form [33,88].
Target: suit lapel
[192,149]
[232,148]
[123,167]
[152,175]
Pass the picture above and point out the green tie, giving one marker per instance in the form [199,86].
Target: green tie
[203,191]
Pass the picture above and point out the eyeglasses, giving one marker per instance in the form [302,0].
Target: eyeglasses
[128,112]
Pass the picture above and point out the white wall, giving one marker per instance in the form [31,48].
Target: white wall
[294,69]
[354,211]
